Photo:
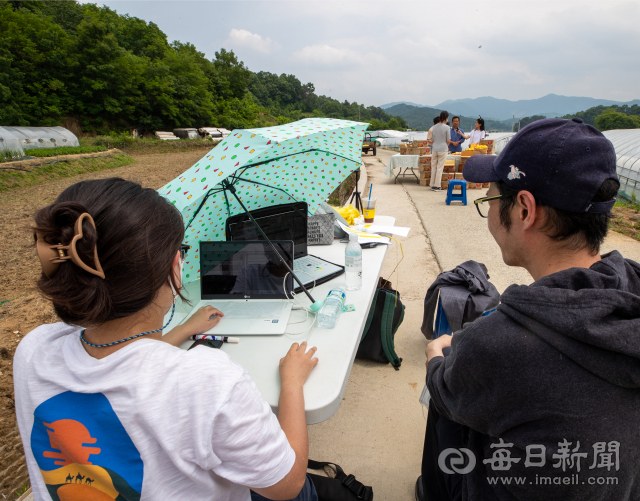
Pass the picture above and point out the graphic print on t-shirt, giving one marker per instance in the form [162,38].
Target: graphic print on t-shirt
[83,451]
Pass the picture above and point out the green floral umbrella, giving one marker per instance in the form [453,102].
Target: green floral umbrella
[301,161]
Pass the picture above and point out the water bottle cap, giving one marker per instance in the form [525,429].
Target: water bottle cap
[353,237]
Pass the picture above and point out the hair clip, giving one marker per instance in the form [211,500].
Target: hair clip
[52,255]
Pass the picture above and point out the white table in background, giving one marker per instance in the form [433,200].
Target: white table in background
[405,162]
[337,347]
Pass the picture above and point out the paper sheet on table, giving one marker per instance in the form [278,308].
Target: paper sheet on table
[365,238]
[403,231]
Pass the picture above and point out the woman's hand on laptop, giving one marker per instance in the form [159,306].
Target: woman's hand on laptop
[201,321]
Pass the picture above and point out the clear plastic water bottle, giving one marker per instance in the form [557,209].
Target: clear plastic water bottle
[331,308]
[353,263]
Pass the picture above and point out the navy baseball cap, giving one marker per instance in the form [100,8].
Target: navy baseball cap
[561,162]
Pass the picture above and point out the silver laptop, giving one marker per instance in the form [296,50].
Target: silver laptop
[245,280]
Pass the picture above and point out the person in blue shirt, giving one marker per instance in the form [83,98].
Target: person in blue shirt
[457,135]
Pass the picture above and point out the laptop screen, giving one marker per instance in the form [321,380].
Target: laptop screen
[244,270]
[281,222]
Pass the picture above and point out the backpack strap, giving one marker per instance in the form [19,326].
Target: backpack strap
[372,310]
[361,491]
[387,331]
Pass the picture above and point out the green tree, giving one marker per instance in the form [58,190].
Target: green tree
[34,59]
[610,119]
[230,76]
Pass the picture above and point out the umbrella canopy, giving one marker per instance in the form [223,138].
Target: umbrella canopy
[301,161]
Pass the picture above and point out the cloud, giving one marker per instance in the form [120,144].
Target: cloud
[248,40]
[328,55]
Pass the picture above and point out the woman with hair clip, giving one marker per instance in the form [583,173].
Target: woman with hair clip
[478,133]
[108,408]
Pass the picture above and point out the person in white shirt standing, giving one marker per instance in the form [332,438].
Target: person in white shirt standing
[478,133]
[441,136]
[107,407]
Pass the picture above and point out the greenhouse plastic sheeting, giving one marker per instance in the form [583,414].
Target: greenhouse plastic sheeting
[627,145]
[41,137]
[9,141]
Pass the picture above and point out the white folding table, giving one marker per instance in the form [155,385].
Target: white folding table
[406,162]
[337,347]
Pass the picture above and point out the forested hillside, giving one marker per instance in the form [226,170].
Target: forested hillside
[60,60]
[616,117]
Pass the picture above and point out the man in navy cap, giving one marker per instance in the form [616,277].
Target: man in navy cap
[541,399]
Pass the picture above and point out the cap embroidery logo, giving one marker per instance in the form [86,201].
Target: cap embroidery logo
[515,173]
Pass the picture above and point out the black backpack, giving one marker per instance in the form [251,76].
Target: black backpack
[385,316]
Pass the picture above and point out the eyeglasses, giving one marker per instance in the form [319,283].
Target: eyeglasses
[183,250]
[482,204]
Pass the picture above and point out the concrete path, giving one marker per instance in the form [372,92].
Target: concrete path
[378,432]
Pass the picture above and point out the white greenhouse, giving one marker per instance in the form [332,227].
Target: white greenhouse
[19,138]
[627,145]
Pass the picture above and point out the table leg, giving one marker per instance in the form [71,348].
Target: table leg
[414,175]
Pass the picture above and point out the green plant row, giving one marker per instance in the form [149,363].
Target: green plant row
[65,150]
[17,179]
[6,155]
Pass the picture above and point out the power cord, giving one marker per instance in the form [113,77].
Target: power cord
[300,306]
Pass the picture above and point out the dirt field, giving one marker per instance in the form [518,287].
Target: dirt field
[21,307]
[623,222]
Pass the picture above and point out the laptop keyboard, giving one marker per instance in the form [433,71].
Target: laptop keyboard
[250,310]
[305,261]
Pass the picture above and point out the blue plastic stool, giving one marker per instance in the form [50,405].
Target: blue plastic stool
[451,196]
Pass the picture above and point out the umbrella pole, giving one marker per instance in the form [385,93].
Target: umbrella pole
[315,305]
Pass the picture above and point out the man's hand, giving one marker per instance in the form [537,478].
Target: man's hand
[435,347]
[296,365]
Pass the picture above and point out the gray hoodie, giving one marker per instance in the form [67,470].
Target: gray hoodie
[557,364]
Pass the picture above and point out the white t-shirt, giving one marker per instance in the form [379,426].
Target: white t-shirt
[149,422]
[475,136]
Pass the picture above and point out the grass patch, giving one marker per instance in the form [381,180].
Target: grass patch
[15,179]
[147,146]
[64,150]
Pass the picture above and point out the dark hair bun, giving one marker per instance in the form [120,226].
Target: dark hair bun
[137,235]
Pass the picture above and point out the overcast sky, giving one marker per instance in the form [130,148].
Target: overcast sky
[375,52]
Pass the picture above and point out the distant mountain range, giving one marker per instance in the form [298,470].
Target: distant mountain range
[421,118]
[551,105]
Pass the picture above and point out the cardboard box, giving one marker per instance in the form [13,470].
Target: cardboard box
[445,183]
[448,176]
[485,185]
[425,159]
[449,168]
[471,186]
[424,150]
[403,150]
[466,153]
[424,182]
[458,175]
[490,144]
